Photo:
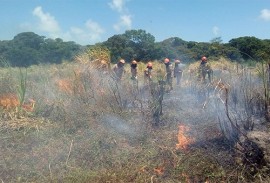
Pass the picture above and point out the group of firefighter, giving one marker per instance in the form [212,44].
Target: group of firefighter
[173,69]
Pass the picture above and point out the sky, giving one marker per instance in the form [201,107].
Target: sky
[92,21]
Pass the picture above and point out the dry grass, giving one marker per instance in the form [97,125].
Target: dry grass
[101,132]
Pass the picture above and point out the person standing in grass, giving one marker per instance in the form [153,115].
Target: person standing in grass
[148,73]
[134,70]
[169,72]
[177,72]
[118,70]
[204,69]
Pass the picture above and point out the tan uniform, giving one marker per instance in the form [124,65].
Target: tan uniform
[134,72]
[204,69]
[169,72]
[177,72]
[118,71]
[147,75]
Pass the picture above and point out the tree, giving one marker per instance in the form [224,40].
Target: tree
[133,44]
[216,47]
[28,48]
[23,50]
[216,40]
[117,45]
[28,39]
[55,51]
[178,42]
[249,47]
[142,43]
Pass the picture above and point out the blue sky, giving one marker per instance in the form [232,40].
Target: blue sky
[92,21]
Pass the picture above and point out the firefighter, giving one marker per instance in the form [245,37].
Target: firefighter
[118,70]
[148,73]
[177,72]
[169,72]
[204,69]
[134,70]
[103,67]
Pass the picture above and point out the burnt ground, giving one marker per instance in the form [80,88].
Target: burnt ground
[121,148]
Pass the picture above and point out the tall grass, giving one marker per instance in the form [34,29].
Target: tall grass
[102,131]
[22,86]
[263,71]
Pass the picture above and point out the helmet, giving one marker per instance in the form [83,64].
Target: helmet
[149,64]
[122,61]
[204,58]
[166,60]
[177,61]
[103,62]
[134,62]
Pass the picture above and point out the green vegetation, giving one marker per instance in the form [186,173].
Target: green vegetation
[28,48]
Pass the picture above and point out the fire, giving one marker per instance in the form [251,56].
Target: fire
[159,170]
[65,86]
[183,140]
[70,87]
[11,102]
[29,105]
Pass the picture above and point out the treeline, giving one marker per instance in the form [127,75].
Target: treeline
[28,48]
[140,45]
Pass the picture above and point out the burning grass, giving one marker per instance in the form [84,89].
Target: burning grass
[91,136]
[183,139]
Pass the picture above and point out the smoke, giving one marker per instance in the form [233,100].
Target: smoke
[83,126]
[118,125]
[216,30]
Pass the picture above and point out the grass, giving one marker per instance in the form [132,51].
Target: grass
[103,133]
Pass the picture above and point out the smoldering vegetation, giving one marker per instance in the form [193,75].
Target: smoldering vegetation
[86,127]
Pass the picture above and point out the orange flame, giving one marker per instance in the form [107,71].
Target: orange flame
[65,86]
[11,102]
[29,106]
[159,170]
[70,87]
[183,140]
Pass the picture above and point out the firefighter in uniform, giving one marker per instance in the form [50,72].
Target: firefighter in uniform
[205,69]
[118,70]
[169,73]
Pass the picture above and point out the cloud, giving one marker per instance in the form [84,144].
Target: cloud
[117,5]
[89,33]
[94,27]
[125,22]
[47,23]
[265,14]
[215,30]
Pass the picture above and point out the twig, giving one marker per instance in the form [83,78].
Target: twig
[50,171]
[152,179]
[170,151]
[70,147]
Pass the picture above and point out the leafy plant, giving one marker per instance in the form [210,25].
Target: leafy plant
[21,88]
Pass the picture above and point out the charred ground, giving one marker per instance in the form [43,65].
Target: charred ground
[96,130]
